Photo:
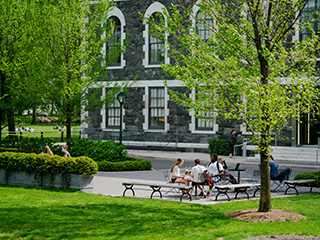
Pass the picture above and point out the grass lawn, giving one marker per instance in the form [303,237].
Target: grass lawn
[47,129]
[36,213]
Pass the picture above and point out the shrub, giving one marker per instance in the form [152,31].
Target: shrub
[97,150]
[26,146]
[45,164]
[5,149]
[219,146]
[309,175]
[38,144]
[131,164]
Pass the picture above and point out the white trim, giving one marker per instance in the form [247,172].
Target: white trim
[192,125]
[117,13]
[154,7]
[84,118]
[103,112]
[145,111]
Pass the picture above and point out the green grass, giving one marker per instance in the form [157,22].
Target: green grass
[30,213]
[48,131]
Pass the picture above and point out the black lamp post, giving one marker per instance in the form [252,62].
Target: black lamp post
[121,96]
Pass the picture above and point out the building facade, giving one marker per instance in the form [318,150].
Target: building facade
[150,118]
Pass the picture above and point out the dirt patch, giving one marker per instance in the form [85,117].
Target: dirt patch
[275,215]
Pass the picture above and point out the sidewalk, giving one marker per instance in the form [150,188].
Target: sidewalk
[110,183]
[204,157]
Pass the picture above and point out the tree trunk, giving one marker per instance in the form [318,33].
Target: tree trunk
[265,192]
[68,123]
[0,125]
[11,123]
[34,116]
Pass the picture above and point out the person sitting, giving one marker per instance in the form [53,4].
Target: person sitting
[215,169]
[47,150]
[65,151]
[175,176]
[273,168]
[196,172]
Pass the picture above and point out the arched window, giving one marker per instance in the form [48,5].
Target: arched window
[156,45]
[203,25]
[113,47]
[116,41]
[154,48]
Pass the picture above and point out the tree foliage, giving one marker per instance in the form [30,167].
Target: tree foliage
[249,67]
[73,59]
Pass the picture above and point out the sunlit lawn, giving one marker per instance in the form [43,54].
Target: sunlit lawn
[48,131]
[29,213]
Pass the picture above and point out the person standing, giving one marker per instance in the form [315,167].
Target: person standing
[232,141]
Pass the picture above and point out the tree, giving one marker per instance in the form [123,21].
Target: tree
[16,55]
[245,67]
[73,60]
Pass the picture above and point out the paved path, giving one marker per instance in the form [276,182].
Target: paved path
[110,183]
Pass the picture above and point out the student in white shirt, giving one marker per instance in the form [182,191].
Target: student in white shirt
[175,176]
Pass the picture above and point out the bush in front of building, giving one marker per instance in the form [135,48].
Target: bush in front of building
[107,155]
[45,164]
[219,146]
[309,175]
[130,164]
[98,150]
[25,144]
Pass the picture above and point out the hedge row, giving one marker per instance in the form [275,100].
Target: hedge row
[45,164]
[309,175]
[6,149]
[131,164]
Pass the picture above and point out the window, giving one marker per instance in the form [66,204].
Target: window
[155,52]
[113,115]
[156,108]
[156,45]
[310,15]
[205,122]
[113,46]
[116,41]
[203,25]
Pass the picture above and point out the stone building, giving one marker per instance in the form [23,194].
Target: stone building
[150,118]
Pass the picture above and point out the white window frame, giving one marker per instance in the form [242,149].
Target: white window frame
[192,125]
[146,109]
[117,13]
[155,7]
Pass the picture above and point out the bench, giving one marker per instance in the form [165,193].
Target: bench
[156,187]
[294,183]
[239,188]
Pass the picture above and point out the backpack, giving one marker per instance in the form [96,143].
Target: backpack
[205,177]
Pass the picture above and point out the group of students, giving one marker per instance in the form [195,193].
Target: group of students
[48,151]
[215,169]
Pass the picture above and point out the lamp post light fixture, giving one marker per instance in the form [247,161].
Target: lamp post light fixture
[121,96]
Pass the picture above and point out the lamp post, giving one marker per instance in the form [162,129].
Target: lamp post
[121,96]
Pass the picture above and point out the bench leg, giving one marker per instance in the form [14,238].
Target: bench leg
[293,186]
[257,189]
[311,189]
[225,192]
[185,192]
[156,189]
[128,187]
[241,190]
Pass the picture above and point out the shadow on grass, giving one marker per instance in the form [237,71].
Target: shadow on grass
[78,216]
